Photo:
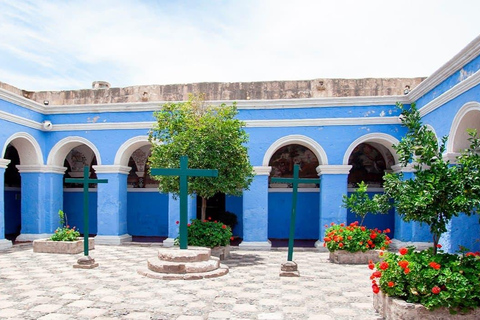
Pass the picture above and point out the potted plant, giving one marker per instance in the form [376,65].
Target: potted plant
[64,240]
[355,243]
[439,191]
[211,234]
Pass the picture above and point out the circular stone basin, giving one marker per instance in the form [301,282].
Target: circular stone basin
[192,254]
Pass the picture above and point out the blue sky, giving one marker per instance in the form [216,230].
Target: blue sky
[56,45]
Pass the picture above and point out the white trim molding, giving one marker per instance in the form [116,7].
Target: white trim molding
[128,147]
[451,156]
[381,138]
[41,169]
[27,147]
[33,236]
[4,163]
[60,150]
[5,244]
[305,141]
[112,169]
[397,168]
[470,52]
[451,94]
[113,240]
[21,101]
[320,122]
[254,245]
[466,108]
[103,126]
[262,170]
[333,169]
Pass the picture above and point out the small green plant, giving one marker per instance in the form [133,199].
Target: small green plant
[207,233]
[361,204]
[354,238]
[434,280]
[64,232]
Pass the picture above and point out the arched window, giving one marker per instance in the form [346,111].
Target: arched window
[286,157]
[369,162]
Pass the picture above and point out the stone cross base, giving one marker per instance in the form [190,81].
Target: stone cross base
[289,269]
[184,264]
[85,262]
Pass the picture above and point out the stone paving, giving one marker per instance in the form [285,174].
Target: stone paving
[46,286]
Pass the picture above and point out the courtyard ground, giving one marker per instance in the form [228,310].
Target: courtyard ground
[46,286]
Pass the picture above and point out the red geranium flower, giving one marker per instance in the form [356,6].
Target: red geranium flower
[384,265]
[391,283]
[375,288]
[377,274]
[436,290]
[224,227]
[439,246]
[406,270]
[434,265]
[177,222]
[403,251]
[371,266]
[403,264]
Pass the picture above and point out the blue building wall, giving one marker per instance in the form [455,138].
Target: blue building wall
[147,213]
[73,207]
[12,211]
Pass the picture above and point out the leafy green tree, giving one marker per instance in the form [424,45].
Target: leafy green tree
[211,137]
[361,204]
[439,190]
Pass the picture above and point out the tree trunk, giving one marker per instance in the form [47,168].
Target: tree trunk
[204,209]
[436,239]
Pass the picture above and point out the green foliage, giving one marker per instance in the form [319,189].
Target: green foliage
[208,234]
[354,238]
[361,204]
[64,232]
[434,280]
[439,190]
[211,137]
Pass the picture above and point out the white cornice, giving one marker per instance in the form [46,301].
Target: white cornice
[112,169]
[321,122]
[470,52]
[451,94]
[41,169]
[262,170]
[4,163]
[103,126]
[20,120]
[21,101]
[333,169]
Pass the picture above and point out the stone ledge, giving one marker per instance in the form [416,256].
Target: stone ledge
[345,257]
[221,271]
[64,247]
[192,254]
[157,265]
[393,309]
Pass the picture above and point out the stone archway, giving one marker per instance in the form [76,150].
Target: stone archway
[468,117]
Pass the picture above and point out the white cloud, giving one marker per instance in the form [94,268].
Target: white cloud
[58,45]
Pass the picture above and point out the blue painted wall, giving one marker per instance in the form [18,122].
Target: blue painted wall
[235,205]
[147,213]
[73,207]
[280,211]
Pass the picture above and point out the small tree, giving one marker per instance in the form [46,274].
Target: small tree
[211,137]
[438,190]
[361,204]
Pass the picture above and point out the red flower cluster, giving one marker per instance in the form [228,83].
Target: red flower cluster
[403,251]
[383,265]
[436,290]
[434,265]
[472,254]
[354,238]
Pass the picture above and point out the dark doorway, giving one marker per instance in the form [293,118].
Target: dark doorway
[215,206]
[13,218]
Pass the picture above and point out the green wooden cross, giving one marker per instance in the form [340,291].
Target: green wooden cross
[85,181]
[184,172]
[294,181]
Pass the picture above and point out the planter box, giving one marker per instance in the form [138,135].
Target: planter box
[394,309]
[221,252]
[345,257]
[67,247]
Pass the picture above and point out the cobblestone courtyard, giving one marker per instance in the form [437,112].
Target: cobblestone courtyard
[46,286]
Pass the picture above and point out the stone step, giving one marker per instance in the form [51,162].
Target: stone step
[192,254]
[157,265]
[221,271]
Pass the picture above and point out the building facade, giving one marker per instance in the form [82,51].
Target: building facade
[340,131]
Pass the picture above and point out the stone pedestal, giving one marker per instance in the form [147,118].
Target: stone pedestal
[184,264]
[289,269]
[222,252]
[85,262]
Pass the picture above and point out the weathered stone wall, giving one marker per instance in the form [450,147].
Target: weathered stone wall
[230,91]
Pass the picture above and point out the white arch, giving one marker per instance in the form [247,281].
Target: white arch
[128,147]
[59,152]
[381,138]
[468,107]
[296,139]
[27,147]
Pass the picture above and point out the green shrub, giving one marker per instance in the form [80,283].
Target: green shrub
[64,232]
[208,234]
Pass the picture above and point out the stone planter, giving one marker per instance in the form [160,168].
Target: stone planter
[67,247]
[345,257]
[395,309]
[221,252]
